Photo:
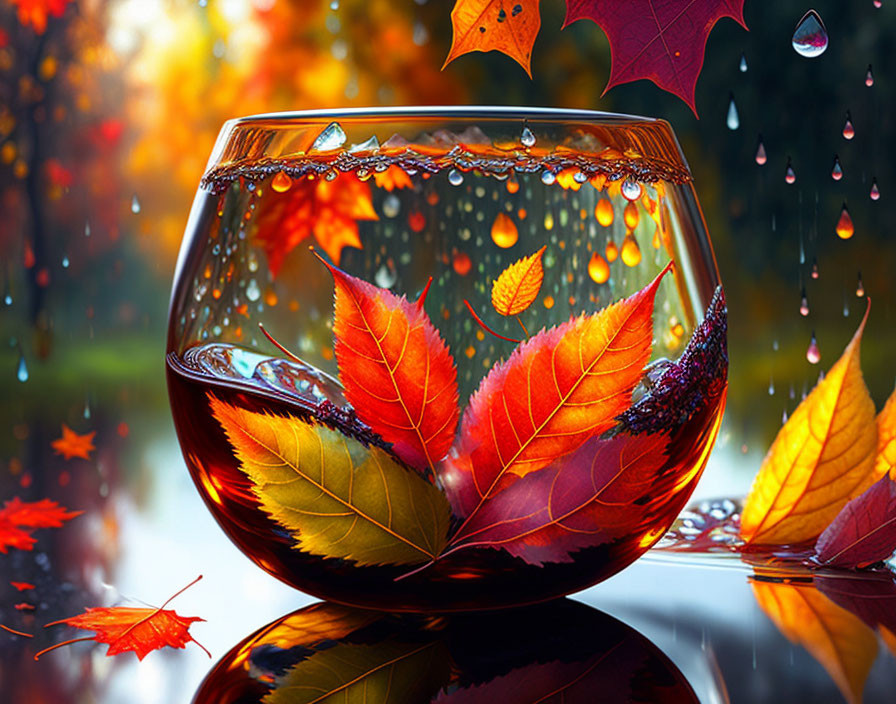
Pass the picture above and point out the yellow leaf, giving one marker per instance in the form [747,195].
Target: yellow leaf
[821,458]
[338,497]
[518,285]
[844,646]
[886,441]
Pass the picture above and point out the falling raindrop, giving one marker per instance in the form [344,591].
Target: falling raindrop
[860,287]
[631,189]
[504,231]
[813,354]
[869,77]
[845,307]
[848,130]
[22,371]
[385,277]
[603,211]
[836,169]
[733,120]
[814,273]
[253,293]
[761,155]
[630,252]
[789,173]
[87,407]
[332,137]
[743,63]
[810,38]
[784,416]
[87,229]
[804,303]
[598,269]
[421,34]
[771,387]
[455,177]
[135,205]
[281,182]
[630,216]
[527,137]
[845,228]
[7,299]
[875,191]
[775,345]
[878,3]
[611,251]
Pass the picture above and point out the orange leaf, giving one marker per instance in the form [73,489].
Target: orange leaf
[37,12]
[73,445]
[844,646]
[886,441]
[18,518]
[495,25]
[140,630]
[557,389]
[330,210]
[518,285]
[397,371]
[392,178]
[820,459]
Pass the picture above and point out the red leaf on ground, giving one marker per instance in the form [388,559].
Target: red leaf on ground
[864,531]
[73,445]
[18,518]
[140,630]
[661,41]
[397,371]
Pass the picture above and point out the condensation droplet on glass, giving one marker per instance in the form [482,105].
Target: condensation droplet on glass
[845,228]
[22,370]
[391,205]
[527,137]
[732,120]
[836,169]
[810,38]
[761,155]
[789,173]
[281,182]
[603,211]
[869,77]
[630,252]
[860,287]
[332,137]
[253,292]
[631,189]
[385,277]
[875,191]
[548,177]
[455,177]
[804,303]
[813,354]
[814,273]
[598,269]
[368,145]
[135,205]
[743,63]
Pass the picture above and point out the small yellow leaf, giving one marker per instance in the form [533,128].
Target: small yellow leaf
[844,646]
[886,441]
[518,285]
[820,459]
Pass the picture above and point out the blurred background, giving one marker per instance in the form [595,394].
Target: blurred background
[109,110]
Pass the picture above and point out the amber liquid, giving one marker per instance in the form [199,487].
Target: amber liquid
[475,578]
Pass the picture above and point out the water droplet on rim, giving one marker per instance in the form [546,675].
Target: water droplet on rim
[527,138]
[732,120]
[332,137]
[368,145]
[281,182]
[548,177]
[455,177]
[810,38]
[631,189]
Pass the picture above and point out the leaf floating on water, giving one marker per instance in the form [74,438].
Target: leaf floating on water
[337,497]
[518,285]
[821,458]
[71,444]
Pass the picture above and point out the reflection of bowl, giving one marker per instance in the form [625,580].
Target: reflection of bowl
[419,455]
[562,651]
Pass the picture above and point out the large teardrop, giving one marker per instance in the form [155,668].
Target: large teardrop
[810,38]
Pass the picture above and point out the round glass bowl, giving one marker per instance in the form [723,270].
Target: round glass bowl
[446,358]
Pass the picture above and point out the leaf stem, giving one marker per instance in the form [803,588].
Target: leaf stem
[14,631]
[522,326]
[486,327]
[278,345]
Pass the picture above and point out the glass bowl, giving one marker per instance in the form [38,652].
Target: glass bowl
[446,358]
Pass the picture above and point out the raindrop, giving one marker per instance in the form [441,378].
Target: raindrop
[87,407]
[878,3]
[771,387]
[135,205]
[743,63]
[65,262]
[281,182]
[860,287]
[813,354]
[334,5]
[761,155]
[869,77]
[814,273]
[391,205]
[836,169]
[611,251]
[22,371]
[775,345]
[810,38]
[784,417]
[455,177]
[332,137]
[253,293]
[631,189]
[598,269]
[804,303]
[7,299]
[504,231]
[630,216]
[630,252]
[733,121]
[789,173]
[527,137]
[848,130]
[845,228]
[87,229]
[548,177]
[845,306]
[385,277]
[603,211]
[875,191]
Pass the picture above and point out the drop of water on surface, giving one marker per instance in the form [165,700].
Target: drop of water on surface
[281,182]
[814,273]
[87,229]
[603,211]
[875,191]
[630,252]
[804,303]
[22,370]
[368,145]
[813,354]
[732,120]
[253,292]
[527,137]
[385,277]
[611,251]
[860,287]
[845,228]
[849,131]
[332,137]
[391,205]
[631,189]
[598,269]
[789,173]
[455,177]
[135,205]
[761,155]
[836,169]
[869,77]
[810,38]
[743,63]
[548,177]
[504,231]
[630,216]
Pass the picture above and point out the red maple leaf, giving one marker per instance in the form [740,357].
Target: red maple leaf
[663,41]
[18,518]
[22,586]
[140,630]
[329,210]
[36,12]
[73,445]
